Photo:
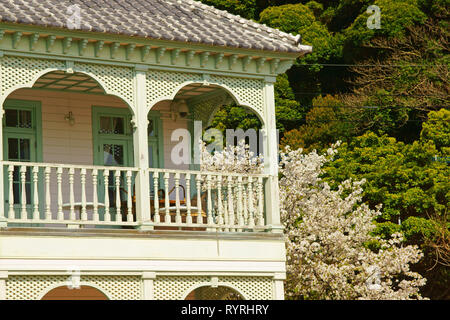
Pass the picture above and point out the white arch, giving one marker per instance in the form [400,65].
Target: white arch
[230,91]
[208,284]
[41,73]
[82,283]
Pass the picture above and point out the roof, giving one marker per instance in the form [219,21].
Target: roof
[174,20]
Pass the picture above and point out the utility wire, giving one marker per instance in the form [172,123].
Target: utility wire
[378,107]
[371,65]
[357,94]
[359,121]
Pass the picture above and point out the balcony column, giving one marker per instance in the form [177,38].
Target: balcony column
[278,286]
[3,278]
[270,147]
[140,142]
[148,279]
[3,223]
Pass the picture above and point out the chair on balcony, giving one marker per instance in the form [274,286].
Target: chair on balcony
[182,205]
[172,205]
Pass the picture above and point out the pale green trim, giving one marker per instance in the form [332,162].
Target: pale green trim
[151,66]
[98,111]
[35,136]
[36,108]
[159,140]
[92,35]
[143,51]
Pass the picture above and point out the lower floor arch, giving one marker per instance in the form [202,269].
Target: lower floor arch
[214,293]
[80,293]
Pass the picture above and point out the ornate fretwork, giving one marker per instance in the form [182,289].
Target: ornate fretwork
[203,110]
[163,85]
[179,287]
[115,80]
[35,287]
[18,72]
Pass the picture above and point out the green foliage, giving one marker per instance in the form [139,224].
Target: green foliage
[290,18]
[437,129]
[244,8]
[396,16]
[376,110]
[288,110]
[403,177]
[232,116]
[300,19]
[326,123]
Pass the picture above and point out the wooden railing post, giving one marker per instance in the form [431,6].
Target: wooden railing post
[3,221]
[140,142]
[270,146]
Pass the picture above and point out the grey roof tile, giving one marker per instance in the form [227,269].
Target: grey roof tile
[176,20]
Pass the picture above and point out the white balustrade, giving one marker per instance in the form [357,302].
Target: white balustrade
[192,200]
[35,188]
[82,196]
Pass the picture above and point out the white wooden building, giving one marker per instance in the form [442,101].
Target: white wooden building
[91,93]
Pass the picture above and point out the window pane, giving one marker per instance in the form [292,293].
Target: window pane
[11,118]
[13,149]
[113,155]
[118,125]
[151,128]
[105,125]
[150,156]
[112,125]
[25,119]
[25,149]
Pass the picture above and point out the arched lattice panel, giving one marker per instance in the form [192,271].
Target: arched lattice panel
[174,287]
[118,81]
[249,91]
[219,293]
[177,287]
[254,288]
[17,71]
[204,110]
[163,85]
[34,287]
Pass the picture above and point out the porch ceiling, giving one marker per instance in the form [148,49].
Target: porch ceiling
[196,90]
[82,83]
[74,82]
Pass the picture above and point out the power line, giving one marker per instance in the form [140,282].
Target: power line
[378,107]
[361,120]
[371,65]
[357,94]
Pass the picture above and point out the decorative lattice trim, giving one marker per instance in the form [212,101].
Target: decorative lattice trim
[179,287]
[35,287]
[163,85]
[118,81]
[17,72]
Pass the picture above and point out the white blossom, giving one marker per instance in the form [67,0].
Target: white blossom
[327,231]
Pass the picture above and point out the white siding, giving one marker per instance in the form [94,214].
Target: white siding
[63,143]
[72,144]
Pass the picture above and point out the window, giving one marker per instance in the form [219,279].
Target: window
[22,141]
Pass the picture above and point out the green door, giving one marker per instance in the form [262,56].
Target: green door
[113,147]
[21,143]
[155,147]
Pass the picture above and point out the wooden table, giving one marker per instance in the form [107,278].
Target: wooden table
[79,206]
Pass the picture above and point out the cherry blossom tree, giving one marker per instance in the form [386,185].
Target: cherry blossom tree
[331,252]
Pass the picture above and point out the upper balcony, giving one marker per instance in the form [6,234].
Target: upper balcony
[77,157]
